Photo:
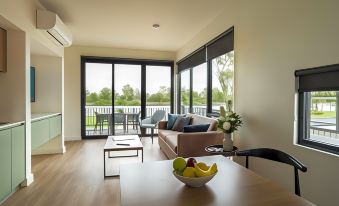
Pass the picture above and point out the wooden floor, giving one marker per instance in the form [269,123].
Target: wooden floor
[76,177]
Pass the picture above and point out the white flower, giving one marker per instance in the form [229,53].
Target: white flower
[226,126]
[222,119]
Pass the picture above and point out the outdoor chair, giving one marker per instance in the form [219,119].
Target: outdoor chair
[152,122]
[278,156]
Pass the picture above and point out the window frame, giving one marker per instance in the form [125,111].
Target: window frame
[303,130]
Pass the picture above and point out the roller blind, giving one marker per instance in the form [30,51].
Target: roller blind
[222,44]
[196,58]
[325,78]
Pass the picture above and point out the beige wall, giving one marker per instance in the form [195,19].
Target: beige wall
[72,78]
[48,84]
[12,82]
[272,40]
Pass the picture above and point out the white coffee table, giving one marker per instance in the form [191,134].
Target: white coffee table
[122,143]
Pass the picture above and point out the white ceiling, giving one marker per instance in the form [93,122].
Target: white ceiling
[128,23]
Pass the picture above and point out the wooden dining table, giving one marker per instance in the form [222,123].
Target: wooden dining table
[153,183]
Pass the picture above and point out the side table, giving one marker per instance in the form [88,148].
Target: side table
[219,150]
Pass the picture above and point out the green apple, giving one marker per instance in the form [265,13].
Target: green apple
[179,164]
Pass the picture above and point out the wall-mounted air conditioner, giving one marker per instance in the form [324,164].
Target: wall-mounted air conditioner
[50,22]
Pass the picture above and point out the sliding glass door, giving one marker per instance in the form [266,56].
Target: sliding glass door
[185,88]
[117,93]
[127,98]
[98,100]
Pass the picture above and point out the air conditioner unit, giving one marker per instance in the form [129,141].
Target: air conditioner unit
[49,21]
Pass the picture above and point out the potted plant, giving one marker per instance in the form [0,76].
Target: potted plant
[228,122]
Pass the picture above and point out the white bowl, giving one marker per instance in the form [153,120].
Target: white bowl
[194,181]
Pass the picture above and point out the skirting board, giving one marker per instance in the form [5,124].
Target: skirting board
[73,138]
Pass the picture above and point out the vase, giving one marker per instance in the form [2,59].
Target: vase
[227,143]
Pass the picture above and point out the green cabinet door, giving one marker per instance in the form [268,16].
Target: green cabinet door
[54,126]
[18,155]
[5,163]
[40,133]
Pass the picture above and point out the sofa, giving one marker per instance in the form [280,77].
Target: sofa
[174,143]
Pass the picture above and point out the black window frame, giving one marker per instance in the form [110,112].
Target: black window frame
[309,80]
[113,61]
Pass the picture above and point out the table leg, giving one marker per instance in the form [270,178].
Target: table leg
[104,163]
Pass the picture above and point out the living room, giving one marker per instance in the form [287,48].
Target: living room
[271,42]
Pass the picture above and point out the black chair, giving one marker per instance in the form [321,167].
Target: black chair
[278,156]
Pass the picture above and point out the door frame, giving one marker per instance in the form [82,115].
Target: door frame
[113,61]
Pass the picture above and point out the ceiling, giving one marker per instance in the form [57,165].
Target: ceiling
[128,23]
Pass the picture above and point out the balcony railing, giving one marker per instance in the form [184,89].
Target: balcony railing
[92,128]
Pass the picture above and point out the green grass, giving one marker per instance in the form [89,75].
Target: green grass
[319,114]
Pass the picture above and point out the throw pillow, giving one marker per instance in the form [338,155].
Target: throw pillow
[171,120]
[196,128]
[180,123]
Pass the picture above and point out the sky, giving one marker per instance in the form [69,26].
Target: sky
[99,75]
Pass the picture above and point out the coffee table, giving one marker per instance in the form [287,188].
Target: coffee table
[122,143]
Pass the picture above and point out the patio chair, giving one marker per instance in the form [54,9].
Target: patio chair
[133,119]
[100,119]
[152,122]
[120,119]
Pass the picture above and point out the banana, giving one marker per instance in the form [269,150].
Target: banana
[202,173]
[203,166]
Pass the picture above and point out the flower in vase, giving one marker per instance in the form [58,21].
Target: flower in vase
[226,126]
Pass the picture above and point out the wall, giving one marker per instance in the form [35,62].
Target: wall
[48,84]
[272,40]
[72,79]
[12,82]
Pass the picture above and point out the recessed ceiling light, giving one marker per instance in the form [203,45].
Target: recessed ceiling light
[155,26]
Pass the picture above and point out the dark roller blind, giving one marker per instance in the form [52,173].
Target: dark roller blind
[222,44]
[192,60]
[325,78]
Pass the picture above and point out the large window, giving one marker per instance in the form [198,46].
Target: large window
[207,77]
[222,81]
[185,82]
[318,94]
[199,89]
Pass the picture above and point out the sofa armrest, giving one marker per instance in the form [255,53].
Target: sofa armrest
[193,144]
[162,125]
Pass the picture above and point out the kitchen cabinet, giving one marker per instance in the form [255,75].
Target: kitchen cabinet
[5,164]
[18,156]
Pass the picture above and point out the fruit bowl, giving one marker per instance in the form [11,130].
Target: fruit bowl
[194,181]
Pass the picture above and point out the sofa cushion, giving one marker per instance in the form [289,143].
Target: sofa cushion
[197,119]
[163,133]
[171,120]
[180,123]
[172,141]
[196,128]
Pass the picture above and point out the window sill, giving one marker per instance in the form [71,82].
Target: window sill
[314,149]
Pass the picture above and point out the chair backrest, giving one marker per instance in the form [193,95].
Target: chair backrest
[119,118]
[278,156]
[157,116]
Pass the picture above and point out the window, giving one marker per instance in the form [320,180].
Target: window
[206,77]
[199,89]
[318,109]
[222,81]
[185,81]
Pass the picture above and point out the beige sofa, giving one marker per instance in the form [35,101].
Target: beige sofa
[175,144]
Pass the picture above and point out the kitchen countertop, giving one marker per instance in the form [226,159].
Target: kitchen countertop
[11,124]
[34,117]
[40,116]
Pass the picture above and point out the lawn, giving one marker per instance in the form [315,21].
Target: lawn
[325,114]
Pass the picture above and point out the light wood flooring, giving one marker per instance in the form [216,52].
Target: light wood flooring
[76,177]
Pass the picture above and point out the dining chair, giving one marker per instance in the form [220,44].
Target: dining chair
[278,156]
[152,122]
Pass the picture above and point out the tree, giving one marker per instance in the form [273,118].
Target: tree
[127,92]
[224,73]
